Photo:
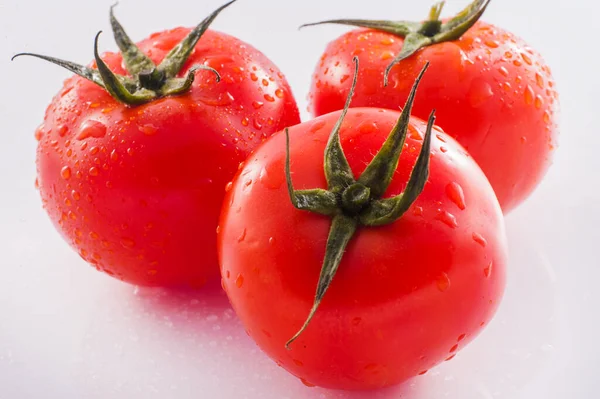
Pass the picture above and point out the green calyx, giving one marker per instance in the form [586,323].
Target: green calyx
[354,203]
[418,35]
[147,81]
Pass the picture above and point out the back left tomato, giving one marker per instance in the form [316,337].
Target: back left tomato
[132,169]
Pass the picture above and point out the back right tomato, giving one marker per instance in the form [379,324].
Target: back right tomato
[492,91]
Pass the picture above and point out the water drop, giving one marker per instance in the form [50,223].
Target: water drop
[265,82]
[94,235]
[450,357]
[39,133]
[242,236]
[503,71]
[91,128]
[443,282]
[479,93]
[298,363]
[443,149]
[488,270]
[492,43]
[317,126]
[547,117]
[239,281]
[387,41]
[529,95]
[306,383]
[269,98]
[455,192]
[526,59]
[539,101]
[76,196]
[257,104]
[368,127]
[454,348]
[478,238]
[253,77]
[257,125]
[447,218]
[272,175]
[539,80]
[127,242]
[461,337]
[279,93]
[245,121]
[148,129]
[418,211]
[387,55]
[62,130]
[423,372]
[93,171]
[65,173]
[222,99]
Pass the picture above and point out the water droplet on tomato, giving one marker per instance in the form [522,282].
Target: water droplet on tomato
[91,128]
[454,348]
[239,281]
[265,82]
[443,149]
[418,211]
[94,235]
[526,58]
[479,93]
[257,104]
[539,79]
[539,101]
[39,133]
[455,192]
[271,177]
[488,270]
[387,55]
[269,98]
[279,93]
[65,172]
[318,125]
[242,236]
[517,63]
[443,282]
[529,95]
[253,76]
[547,117]
[492,43]
[93,171]
[62,130]
[221,99]
[447,218]
[503,71]
[148,129]
[127,242]
[306,383]
[461,337]
[37,183]
[76,196]
[450,357]
[245,121]
[386,41]
[478,238]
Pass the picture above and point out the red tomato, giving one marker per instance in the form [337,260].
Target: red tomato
[407,295]
[492,92]
[137,191]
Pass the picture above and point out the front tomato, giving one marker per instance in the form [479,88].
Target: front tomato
[137,189]
[406,296]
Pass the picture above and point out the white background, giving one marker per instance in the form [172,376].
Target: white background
[67,331]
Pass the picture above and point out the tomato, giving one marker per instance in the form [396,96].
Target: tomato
[493,93]
[406,295]
[137,189]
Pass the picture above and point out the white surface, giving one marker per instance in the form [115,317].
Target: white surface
[67,331]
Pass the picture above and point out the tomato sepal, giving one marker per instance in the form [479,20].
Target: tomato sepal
[418,35]
[353,203]
[148,82]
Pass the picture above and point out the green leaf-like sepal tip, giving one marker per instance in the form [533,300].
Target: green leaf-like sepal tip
[418,35]
[148,81]
[353,203]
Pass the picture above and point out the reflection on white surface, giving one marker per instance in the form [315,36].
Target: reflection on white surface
[158,343]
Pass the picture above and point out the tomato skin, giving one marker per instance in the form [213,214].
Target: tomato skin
[137,191]
[405,294]
[492,92]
